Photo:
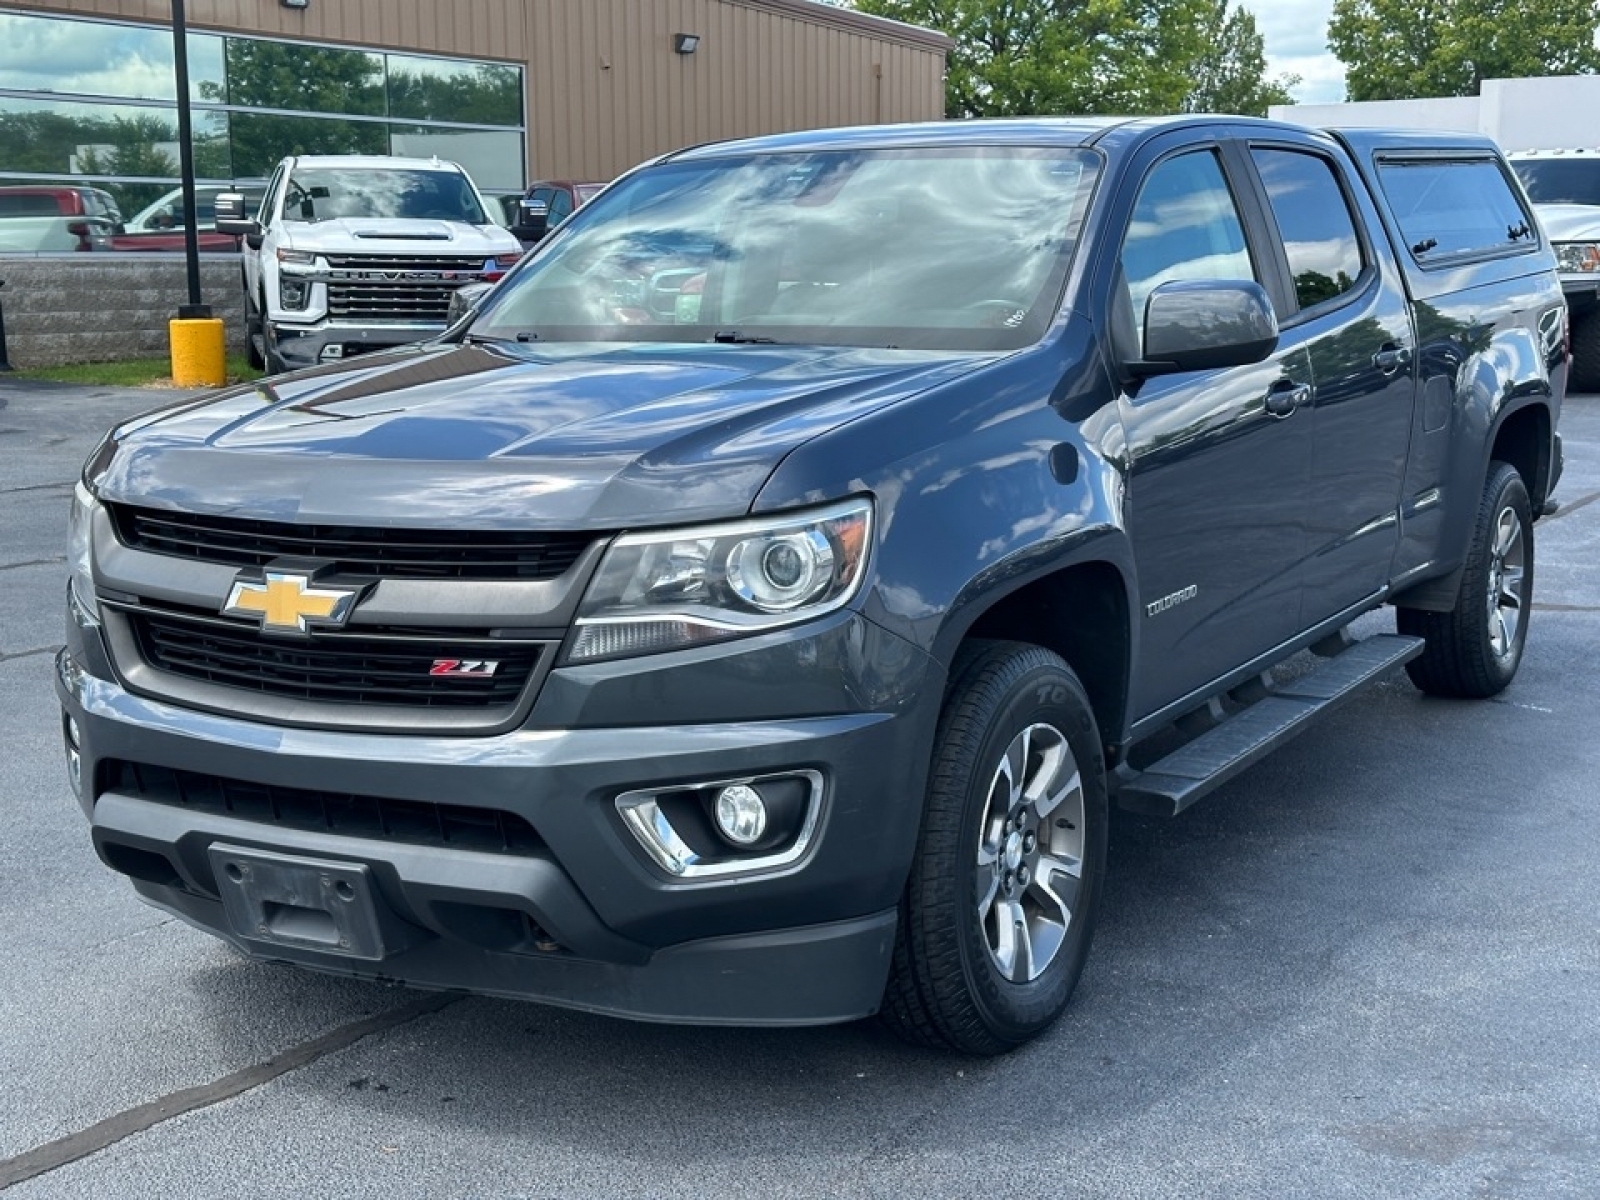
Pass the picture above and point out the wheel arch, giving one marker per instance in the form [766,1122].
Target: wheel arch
[1082,611]
[1522,437]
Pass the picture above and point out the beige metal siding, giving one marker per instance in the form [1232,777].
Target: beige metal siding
[604,88]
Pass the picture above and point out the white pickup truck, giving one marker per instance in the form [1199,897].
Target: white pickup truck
[1564,186]
[355,253]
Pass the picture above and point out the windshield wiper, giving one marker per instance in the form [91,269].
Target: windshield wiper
[732,337]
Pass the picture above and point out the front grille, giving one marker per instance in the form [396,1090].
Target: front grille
[461,826]
[337,667]
[397,287]
[370,553]
[405,262]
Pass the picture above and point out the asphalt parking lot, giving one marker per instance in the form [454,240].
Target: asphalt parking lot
[1368,967]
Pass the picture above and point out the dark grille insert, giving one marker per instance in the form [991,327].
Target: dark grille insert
[375,553]
[461,826]
[334,668]
[397,287]
[471,264]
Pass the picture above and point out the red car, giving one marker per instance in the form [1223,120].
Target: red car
[159,226]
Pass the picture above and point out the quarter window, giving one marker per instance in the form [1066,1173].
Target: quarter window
[1185,225]
[1313,216]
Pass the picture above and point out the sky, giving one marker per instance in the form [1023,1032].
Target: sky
[1296,37]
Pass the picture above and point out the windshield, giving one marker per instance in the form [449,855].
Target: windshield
[1551,181]
[325,195]
[957,248]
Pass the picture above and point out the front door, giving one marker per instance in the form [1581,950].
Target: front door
[1216,503]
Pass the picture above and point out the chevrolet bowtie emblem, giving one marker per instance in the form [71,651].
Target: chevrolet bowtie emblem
[287,603]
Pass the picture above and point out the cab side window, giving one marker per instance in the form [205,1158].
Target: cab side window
[1314,221]
[560,206]
[1185,225]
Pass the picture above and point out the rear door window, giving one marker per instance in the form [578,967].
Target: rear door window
[1449,208]
[1312,212]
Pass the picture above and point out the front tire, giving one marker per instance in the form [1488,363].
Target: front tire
[1474,650]
[1000,906]
[255,336]
[1583,372]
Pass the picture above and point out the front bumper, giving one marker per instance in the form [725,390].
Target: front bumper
[584,918]
[330,341]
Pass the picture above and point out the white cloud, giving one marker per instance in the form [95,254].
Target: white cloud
[1296,37]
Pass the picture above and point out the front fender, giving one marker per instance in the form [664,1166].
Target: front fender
[994,481]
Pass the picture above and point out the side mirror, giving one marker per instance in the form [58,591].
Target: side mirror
[1205,325]
[464,301]
[231,216]
[533,220]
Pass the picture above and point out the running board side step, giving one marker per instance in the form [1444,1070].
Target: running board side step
[1170,785]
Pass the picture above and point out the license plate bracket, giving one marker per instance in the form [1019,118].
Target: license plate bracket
[307,903]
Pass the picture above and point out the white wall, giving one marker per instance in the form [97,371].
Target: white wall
[1561,111]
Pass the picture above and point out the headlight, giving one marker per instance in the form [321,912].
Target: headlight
[663,590]
[293,292]
[300,258]
[80,550]
[1578,256]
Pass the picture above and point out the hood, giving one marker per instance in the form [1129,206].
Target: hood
[1570,222]
[503,436]
[375,235]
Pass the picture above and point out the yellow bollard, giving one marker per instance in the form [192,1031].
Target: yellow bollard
[198,351]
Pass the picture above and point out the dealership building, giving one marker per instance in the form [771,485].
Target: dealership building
[512,89]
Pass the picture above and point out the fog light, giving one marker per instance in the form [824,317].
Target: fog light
[741,815]
[74,756]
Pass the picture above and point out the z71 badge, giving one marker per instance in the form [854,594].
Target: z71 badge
[464,666]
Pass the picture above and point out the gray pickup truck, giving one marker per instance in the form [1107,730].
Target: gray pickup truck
[749,614]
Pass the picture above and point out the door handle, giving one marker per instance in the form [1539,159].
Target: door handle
[1286,396]
[1391,358]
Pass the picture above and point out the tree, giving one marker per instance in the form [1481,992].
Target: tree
[304,79]
[1403,49]
[1020,57]
[1230,75]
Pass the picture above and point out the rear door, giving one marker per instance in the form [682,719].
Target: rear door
[1347,308]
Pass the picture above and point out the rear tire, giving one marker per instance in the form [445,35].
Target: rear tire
[1584,371]
[1474,649]
[999,910]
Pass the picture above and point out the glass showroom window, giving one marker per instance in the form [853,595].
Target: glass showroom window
[92,103]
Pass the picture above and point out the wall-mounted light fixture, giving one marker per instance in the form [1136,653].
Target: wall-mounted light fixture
[685,43]
[294,3]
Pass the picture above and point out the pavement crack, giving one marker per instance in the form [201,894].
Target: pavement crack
[34,562]
[37,650]
[97,1137]
[1568,509]
[37,487]
[1542,606]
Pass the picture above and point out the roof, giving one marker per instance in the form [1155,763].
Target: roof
[1008,131]
[370,161]
[1056,131]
